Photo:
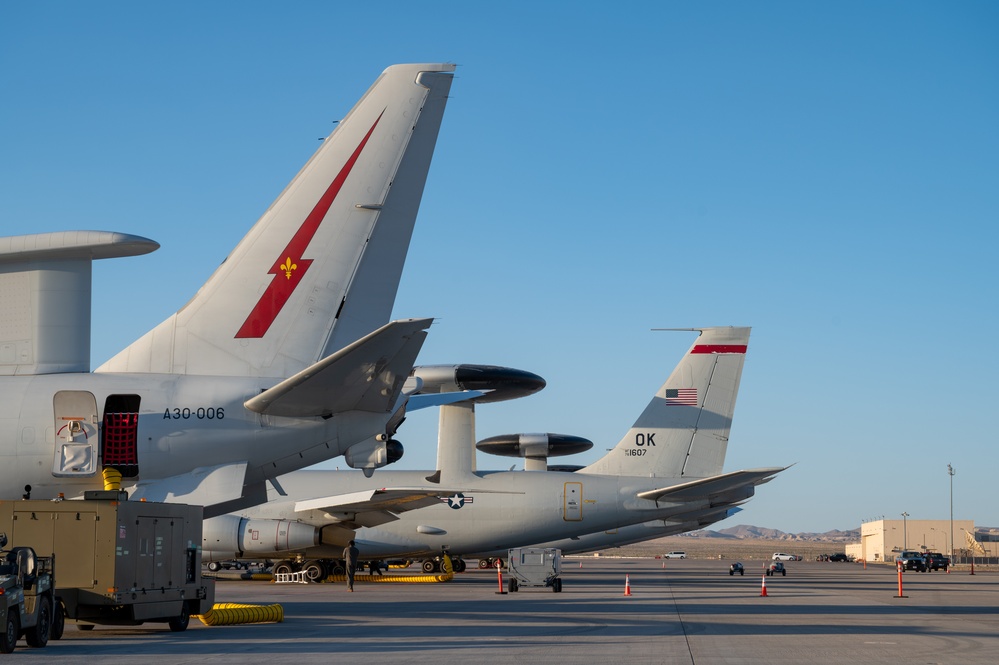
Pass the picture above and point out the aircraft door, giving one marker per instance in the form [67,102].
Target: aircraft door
[76,434]
[573,502]
[120,434]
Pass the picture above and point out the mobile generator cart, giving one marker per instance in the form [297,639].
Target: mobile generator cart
[535,567]
[120,562]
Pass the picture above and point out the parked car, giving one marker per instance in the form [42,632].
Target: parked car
[911,560]
[839,556]
[781,556]
[777,568]
[936,561]
[736,568]
[822,557]
[675,555]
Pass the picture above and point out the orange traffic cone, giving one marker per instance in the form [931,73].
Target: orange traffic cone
[763,591]
[627,586]
[499,576]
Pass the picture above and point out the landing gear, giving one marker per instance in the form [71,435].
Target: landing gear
[286,566]
[315,570]
[435,565]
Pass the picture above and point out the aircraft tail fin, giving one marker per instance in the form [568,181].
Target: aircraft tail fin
[321,268]
[683,432]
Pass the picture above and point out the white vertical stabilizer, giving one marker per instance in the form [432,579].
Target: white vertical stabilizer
[683,432]
[330,248]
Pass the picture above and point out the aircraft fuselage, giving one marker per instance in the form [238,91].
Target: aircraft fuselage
[57,436]
[497,510]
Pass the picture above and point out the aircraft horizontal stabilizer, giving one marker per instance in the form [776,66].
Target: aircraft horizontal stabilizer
[204,486]
[421,401]
[705,488]
[367,375]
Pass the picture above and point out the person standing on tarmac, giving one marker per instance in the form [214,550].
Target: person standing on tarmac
[350,554]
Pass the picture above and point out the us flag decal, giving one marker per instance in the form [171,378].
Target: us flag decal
[681,396]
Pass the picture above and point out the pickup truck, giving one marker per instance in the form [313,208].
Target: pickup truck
[936,561]
[911,560]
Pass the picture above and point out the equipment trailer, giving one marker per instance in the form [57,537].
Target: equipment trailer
[120,562]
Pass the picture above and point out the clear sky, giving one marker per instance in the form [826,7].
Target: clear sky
[823,172]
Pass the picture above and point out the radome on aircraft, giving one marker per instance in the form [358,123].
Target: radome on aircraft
[667,469]
[284,358]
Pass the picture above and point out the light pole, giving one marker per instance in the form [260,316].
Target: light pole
[905,535]
[950,472]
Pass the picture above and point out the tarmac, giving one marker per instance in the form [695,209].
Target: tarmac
[679,611]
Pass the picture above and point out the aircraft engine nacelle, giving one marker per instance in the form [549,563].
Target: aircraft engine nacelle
[373,454]
[234,536]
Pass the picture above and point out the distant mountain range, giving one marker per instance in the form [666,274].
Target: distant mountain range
[746,531]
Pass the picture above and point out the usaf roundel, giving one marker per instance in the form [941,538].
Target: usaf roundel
[457,500]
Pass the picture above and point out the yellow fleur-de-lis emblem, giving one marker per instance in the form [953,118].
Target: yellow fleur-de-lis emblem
[288,266]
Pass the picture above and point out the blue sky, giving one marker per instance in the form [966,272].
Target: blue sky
[823,172]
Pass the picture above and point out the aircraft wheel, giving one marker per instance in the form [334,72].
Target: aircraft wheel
[459,565]
[214,566]
[429,566]
[283,567]
[484,563]
[314,570]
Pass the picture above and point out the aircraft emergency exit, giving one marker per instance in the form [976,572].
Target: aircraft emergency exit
[668,466]
[285,357]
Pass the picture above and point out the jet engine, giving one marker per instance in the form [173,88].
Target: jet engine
[373,454]
[230,536]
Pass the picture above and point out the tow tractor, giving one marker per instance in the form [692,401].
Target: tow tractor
[26,596]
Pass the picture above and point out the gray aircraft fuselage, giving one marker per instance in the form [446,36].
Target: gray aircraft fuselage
[497,510]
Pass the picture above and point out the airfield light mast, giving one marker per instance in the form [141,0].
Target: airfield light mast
[951,472]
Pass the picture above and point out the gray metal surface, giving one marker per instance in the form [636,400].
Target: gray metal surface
[691,611]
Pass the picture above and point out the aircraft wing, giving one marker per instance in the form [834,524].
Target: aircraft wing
[394,500]
[378,506]
[714,486]
[367,375]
